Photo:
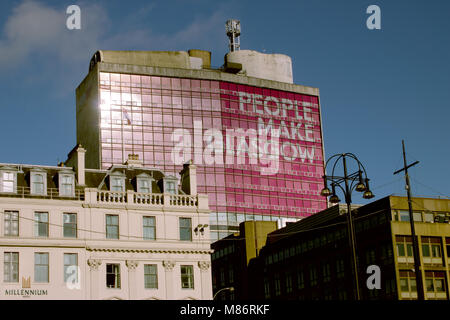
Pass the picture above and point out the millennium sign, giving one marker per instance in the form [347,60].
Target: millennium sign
[26,290]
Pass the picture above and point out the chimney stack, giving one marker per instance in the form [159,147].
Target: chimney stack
[81,155]
[189,178]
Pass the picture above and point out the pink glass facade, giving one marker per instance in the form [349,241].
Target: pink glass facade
[140,113]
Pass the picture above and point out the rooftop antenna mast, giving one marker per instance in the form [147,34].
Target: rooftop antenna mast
[233,28]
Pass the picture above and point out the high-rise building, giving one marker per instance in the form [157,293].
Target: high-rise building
[255,137]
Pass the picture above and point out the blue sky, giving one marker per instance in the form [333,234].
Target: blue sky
[377,87]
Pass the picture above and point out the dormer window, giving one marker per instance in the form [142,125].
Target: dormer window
[8,181]
[117,182]
[66,185]
[170,185]
[144,183]
[38,182]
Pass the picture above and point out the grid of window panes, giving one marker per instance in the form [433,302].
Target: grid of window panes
[149,228]
[185,229]
[70,267]
[11,267]
[41,267]
[113,276]
[139,114]
[151,276]
[41,224]
[70,225]
[187,277]
[112,226]
[11,223]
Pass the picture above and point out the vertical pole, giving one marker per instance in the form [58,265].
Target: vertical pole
[419,283]
[351,233]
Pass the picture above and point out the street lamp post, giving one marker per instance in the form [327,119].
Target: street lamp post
[231,289]
[355,181]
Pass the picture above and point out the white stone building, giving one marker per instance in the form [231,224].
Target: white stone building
[128,232]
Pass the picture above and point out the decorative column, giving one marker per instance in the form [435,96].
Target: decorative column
[132,282]
[168,267]
[94,275]
[206,282]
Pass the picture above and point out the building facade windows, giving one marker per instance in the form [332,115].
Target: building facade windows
[151,276]
[8,181]
[231,275]
[149,225]
[70,267]
[326,272]
[11,267]
[266,288]
[144,184]
[41,224]
[117,182]
[187,277]
[435,283]
[170,185]
[340,268]
[11,223]
[41,267]
[38,183]
[185,229]
[408,282]
[277,283]
[313,276]
[66,185]
[113,276]
[112,226]
[288,278]
[404,246]
[300,279]
[70,225]
[431,247]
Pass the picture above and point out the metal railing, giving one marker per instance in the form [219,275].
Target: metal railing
[51,193]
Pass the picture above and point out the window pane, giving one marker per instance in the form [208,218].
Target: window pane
[425,250]
[429,285]
[113,276]
[409,249]
[185,229]
[150,274]
[404,216]
[439,284]
[112,226]
[400,250]
[41,224]
[41,267]
[70,225]
[413,284]
[436,249]
[70,267]
[404,285]
[11,267]
[187,277]
[11,223]
[149,232]
[117,184]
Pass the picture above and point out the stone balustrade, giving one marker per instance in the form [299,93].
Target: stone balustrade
[94,196]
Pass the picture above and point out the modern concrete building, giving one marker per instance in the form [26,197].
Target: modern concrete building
[310,259]
[255,137]
[126,232]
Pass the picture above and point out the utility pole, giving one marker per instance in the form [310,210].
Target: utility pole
[419,283]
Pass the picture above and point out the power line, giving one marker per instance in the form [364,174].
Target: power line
[103,233]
